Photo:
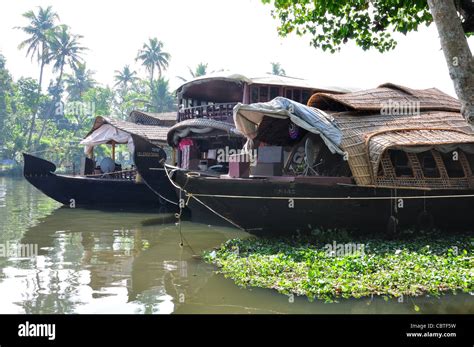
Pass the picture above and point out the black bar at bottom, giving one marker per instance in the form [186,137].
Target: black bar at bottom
[318,330]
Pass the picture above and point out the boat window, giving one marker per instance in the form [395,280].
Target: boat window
[289,94]
[274,92]
[470,159]
[297,95]
[305,95]
[428,164]
[263,94]
[253,94]
[453,164]
[401,164]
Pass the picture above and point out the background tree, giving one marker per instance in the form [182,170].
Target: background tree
[162,100]
[39,28]
[452,25]
[64,49]
[23,101]
[152,56]
[125,77]
[79,81]
[6,92]
[371,24]
[199,70]
[277,69]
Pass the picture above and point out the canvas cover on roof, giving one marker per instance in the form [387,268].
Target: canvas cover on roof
[107,129]
[248,117]
[199,126]
[107,133]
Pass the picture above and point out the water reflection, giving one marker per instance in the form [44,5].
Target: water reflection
[118,262]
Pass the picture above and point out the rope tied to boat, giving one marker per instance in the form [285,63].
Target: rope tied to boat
[179,214]
[331,198]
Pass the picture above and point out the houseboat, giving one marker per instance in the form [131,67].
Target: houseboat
[205,114]
[205,135]
[386,158]
[105,183]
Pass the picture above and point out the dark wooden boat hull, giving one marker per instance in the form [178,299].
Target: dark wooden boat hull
[81,191]
[288,206]
[149,160]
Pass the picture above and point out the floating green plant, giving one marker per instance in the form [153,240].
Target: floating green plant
[334,265]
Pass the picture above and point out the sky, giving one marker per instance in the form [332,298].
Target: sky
[238,35]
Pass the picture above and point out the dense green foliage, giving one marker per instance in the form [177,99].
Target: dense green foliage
[411,266]
[370,24]
[52,122]
[277,69]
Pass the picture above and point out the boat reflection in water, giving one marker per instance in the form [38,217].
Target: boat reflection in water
[118,262]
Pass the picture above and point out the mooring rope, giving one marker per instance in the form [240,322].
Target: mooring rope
[189,195]
[332,198]
[182,238]
[217,213]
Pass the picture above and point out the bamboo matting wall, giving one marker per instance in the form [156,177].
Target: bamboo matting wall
[366,116]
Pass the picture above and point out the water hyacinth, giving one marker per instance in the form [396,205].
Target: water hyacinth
[320,268]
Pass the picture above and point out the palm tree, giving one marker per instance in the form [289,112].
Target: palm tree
[64,50]
[151,56]
[39,28]
[124,77]
[162,100]
[79,82]
[277,69]
[200,70]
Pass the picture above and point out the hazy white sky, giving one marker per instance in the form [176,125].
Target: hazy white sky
[239,35]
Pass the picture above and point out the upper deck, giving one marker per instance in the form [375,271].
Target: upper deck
[214,96]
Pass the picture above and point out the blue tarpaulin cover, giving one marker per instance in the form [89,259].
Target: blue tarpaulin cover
[247,118]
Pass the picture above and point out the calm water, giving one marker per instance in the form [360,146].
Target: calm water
[119,262]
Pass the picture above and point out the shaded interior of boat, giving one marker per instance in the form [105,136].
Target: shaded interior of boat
[208,102]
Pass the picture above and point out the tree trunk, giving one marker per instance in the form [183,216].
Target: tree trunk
[457,53]
[152,72]
[33,119]
[51,106]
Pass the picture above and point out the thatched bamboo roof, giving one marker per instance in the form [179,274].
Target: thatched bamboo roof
[384,96]
[371,123]
[153,133]
[150,118]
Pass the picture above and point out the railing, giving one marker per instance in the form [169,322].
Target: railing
[129,175]
[221,112]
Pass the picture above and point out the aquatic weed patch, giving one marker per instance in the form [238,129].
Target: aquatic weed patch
[316,268]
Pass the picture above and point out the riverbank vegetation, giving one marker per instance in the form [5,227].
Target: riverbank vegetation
[331,266]
[50,122]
